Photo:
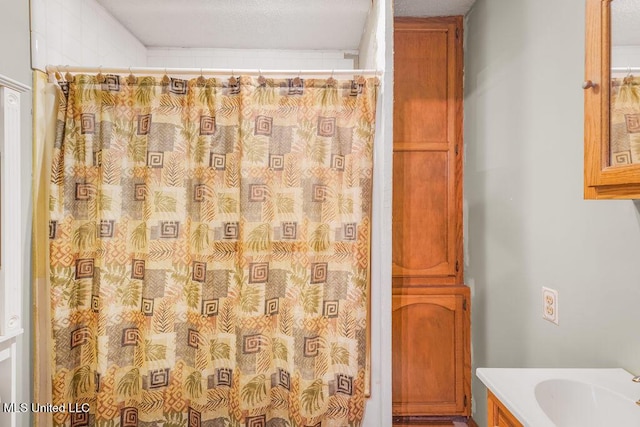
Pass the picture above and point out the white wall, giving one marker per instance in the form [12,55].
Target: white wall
[274,59]
[528,225]
[14,49]
[376,49]
[369,41]
[81,32]
[625,56]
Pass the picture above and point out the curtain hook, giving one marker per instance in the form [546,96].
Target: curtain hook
[99,77]
[131,79]
[57,74]
[261,79]
[67,75]
[165,78]
[331,80]
[201,80]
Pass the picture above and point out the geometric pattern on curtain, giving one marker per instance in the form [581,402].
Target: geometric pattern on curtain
[625,121]
[209,246]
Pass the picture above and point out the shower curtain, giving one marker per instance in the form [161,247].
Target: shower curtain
[206,261]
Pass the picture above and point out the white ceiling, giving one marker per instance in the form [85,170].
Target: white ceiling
[261,24]
[432,7]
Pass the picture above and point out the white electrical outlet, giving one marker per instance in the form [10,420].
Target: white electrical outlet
[550,305]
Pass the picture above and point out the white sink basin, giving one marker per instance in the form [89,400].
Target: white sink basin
[570,403]
[540,397]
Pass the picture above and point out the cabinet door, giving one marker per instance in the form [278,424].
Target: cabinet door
[427,144]
[498,415]
[430,358]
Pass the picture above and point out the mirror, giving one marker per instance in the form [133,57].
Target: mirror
[612,100]
[624,143]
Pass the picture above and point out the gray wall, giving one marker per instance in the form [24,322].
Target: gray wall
[16,64]
[527,225]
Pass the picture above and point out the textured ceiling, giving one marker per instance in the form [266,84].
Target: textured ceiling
[255,24]
[625,22]
[432,7]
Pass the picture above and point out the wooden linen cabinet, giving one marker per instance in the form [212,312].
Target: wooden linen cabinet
[431,305]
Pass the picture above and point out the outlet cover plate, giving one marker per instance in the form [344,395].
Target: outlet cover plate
[550,305]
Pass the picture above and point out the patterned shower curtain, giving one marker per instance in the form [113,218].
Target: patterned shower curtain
[625,121]
[209,251]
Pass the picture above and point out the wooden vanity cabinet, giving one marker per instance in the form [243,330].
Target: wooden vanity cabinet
[427,151]
[431,357]
[498,415]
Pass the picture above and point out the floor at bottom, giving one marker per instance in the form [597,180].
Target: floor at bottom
[461,422]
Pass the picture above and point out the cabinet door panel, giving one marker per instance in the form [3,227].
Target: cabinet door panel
[428,355]
[421,107]
[422,224]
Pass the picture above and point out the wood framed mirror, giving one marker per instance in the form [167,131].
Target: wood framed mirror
[612,100]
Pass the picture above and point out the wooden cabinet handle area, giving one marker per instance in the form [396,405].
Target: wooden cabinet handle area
[588,84]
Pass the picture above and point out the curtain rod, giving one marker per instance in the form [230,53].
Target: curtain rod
[210,71]
[624,69]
